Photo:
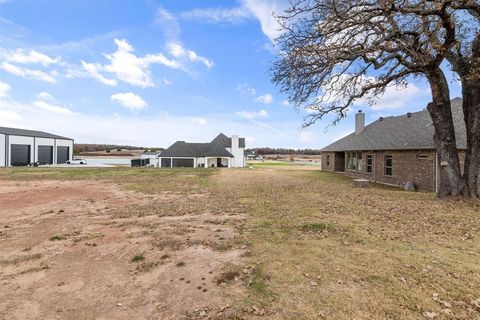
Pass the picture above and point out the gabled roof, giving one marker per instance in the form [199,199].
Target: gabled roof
[217,149]
[179,149]
[227,142]
[414,132]
[30,133]
[184,149]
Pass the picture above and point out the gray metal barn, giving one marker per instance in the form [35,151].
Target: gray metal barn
[19,147]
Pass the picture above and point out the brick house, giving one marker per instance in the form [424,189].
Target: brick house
[393,150]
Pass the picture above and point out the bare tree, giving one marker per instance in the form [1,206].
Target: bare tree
[337,52]
[464,58]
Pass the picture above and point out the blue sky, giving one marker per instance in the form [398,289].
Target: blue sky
[146,72]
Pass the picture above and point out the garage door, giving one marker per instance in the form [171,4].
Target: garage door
[20,155]
[45,154]
[63,154]
[182,163]
[166,163]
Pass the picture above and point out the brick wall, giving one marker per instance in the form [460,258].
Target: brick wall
[413,165]
[328,161]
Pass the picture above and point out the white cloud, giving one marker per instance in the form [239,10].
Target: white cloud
[179,52]
[246,89]
[218,15]
[94,71]
[341,87]
[4,89]
[29,73]
[263,11]
[126,66]
[169,23]
[45,96]
[250,115]
[20,56]
[199,121]
[396,97]
[265,99]
[285,103]
[45,102]
[46,106]
[130,101]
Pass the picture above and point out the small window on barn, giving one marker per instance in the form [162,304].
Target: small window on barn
[421,156]
[388,166]
[328,160]
[369,163]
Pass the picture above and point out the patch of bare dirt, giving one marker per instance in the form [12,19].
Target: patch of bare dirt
[89,250]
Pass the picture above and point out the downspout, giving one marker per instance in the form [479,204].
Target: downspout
[7,138]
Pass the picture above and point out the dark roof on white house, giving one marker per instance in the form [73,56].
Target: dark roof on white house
[407,132]
[216,148]
[227,142]
[30,133]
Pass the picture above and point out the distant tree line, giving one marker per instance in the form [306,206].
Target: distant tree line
[85,147]
[266,150]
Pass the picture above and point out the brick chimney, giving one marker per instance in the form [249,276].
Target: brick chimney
[359,122]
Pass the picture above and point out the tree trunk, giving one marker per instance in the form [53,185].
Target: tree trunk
[470,77]
[451,181]
[471,111]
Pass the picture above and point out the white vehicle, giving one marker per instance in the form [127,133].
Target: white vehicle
[77,161]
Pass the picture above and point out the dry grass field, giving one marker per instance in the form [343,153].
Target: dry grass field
[268,242]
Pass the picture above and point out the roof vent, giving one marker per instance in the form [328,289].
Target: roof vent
[409,115]
[380,119]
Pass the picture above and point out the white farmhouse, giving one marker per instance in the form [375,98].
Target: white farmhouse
[220,152]
[19,147]
[152,157]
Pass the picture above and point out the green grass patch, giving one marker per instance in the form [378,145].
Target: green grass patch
[138,257]
[270,164]
[56,238]
[313,227]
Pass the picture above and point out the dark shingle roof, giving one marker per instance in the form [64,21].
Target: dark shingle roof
[227,142]
[30,133]
[179,149]
[184,149]
[401,133]
[216,148]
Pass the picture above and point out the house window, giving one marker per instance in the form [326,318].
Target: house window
[354,161]
[328,160]
[369,163]
[422,156]
[388,166]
